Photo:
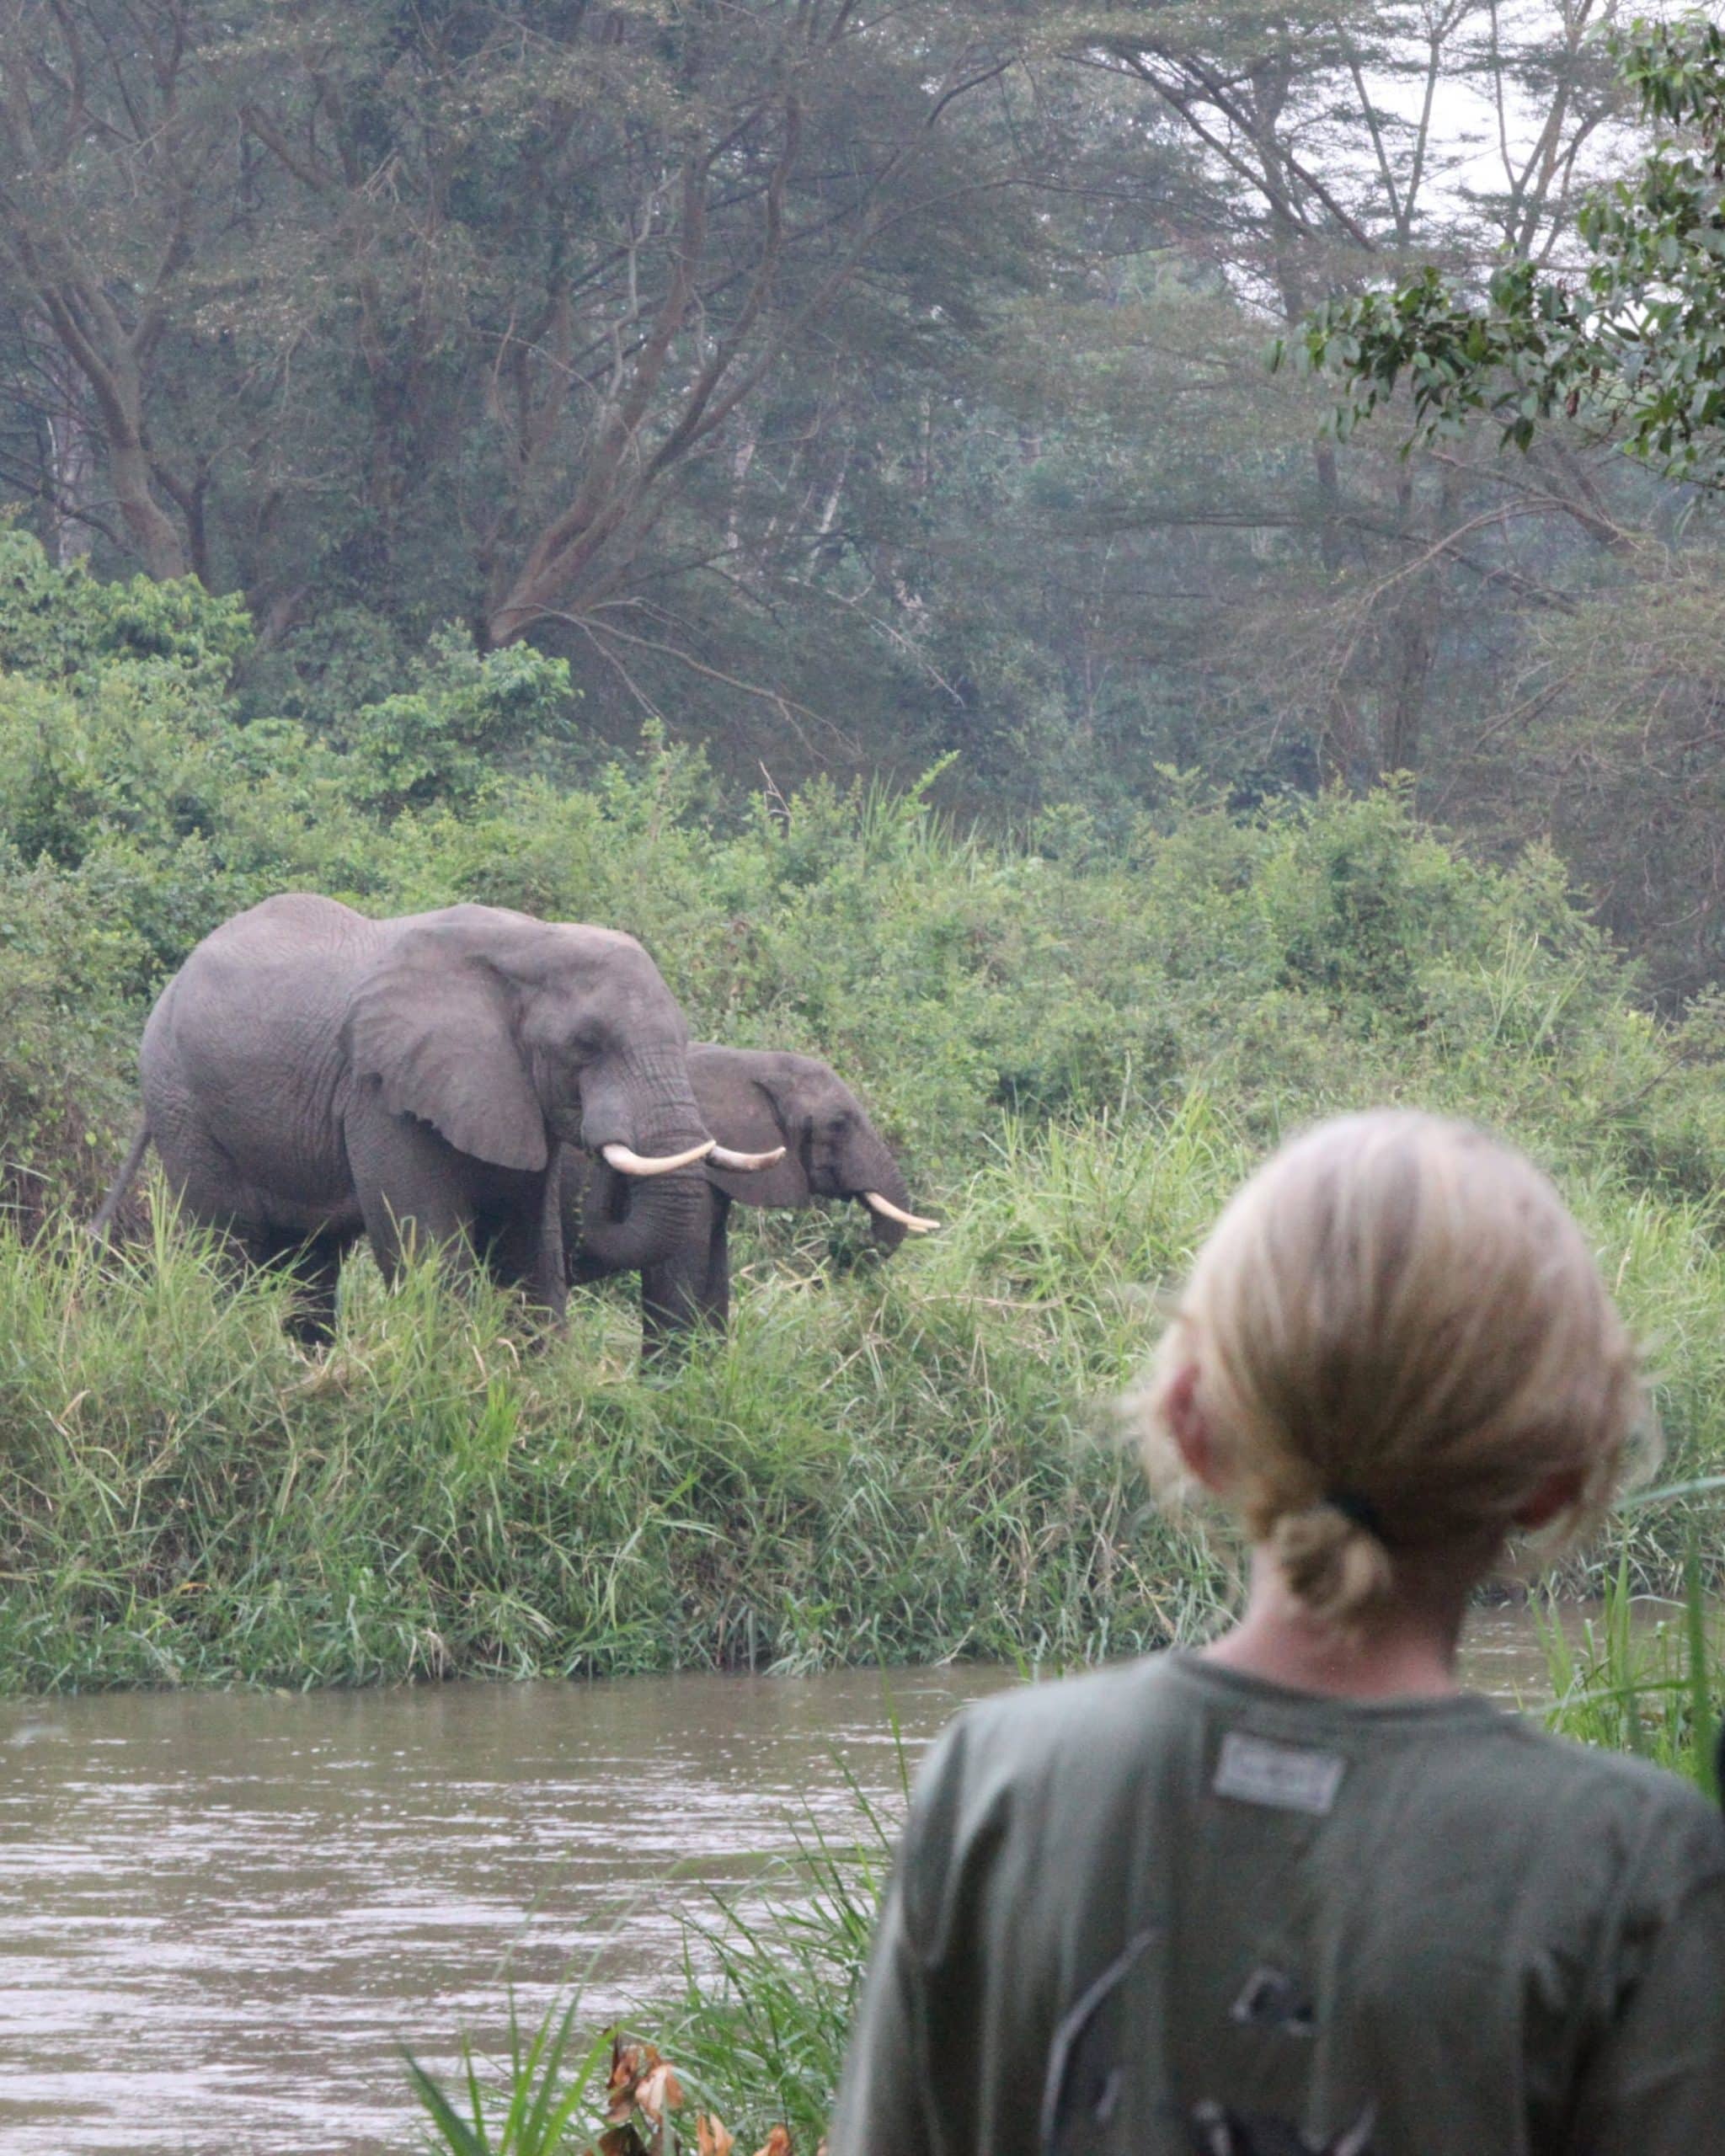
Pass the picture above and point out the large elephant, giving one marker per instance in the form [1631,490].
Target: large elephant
[761,1098]
[310,1075]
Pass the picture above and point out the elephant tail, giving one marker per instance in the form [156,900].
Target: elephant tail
[122,1182]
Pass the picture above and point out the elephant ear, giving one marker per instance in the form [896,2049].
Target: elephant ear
[433,1023]
[745,1116]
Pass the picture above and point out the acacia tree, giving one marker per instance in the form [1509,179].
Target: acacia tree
[1611,744]
[1635,344]
[734,223]
[1317,164]
[847,384]
[335,276]
[104,271]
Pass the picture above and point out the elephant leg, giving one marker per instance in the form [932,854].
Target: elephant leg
[315,1269]
[521,1240]
[716,1288]
[691,1288]
[412,1189]
[312,1322]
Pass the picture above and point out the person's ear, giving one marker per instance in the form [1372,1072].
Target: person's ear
[1190,1431]
[1559,1490]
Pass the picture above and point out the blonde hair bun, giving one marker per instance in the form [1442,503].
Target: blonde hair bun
[1400,1338]
[1334,1565]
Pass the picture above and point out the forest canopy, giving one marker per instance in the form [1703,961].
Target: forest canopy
[845,387]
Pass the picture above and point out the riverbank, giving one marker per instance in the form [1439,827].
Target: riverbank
[899,1463]
[761,2047]
[909,1462]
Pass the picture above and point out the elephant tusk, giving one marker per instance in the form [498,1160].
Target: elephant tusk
[744,1164]
[888,1211]
[628,1162]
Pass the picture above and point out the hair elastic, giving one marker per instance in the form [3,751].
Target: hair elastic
[1354,1506]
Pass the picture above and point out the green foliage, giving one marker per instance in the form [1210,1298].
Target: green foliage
[1639,345]
[65,623]
[441,741]
[68,959]
[900,1462]
[875,1470]
[771,1989]
[1077,1047]
[137,810]
[968,451]
[547,2101]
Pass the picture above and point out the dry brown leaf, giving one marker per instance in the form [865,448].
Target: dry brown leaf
[658,2091]
[778,2143]
[630,2065]
[710,2139]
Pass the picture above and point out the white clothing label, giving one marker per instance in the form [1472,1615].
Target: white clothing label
[1259,1772]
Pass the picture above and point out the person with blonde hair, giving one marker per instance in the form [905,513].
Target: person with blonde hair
[1297,1892]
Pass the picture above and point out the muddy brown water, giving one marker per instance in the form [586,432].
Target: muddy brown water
[222,1914]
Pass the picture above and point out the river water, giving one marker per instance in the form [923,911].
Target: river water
[221,1915]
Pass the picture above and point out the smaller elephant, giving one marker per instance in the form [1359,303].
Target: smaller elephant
[758,1100]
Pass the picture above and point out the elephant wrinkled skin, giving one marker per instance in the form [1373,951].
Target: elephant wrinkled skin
[751,1097]
[311,1075]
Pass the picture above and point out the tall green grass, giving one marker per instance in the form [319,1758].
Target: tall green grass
[903,1462]
[1643,1676]
[888,1463]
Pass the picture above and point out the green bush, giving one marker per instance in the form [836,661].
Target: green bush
[69,961]
[64,625]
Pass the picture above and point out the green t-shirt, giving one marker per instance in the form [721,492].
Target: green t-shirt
[1175,1911]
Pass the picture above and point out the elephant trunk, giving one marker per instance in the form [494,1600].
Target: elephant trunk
[617,1224]
[638,1109]
[551,1276]
[871,1173]
[642,1102]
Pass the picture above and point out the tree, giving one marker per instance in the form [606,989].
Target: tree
[99,275]
[1318,163]
[1634,345]
[851,386]
[506,270]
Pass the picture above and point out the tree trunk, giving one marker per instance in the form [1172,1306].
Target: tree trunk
[1412,639]
[107,356]
[152,530]
[68,453]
